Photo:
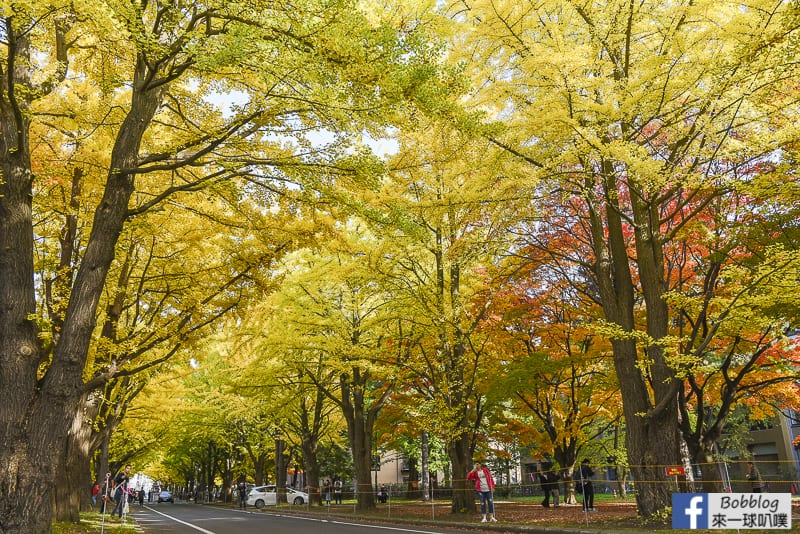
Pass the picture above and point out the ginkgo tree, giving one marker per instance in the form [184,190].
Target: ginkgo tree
[632,117]
[170,286]
[210,430]
[282,383]
[432,212]
[332,321]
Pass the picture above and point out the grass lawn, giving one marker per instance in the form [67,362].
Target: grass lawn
[92,523]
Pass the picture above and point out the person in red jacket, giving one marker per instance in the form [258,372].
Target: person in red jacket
[484,485]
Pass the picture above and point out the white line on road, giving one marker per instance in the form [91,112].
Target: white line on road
[388,528]
[204,531]
[370,525]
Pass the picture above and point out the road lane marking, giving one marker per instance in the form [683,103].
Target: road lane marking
[204,531]
[367,525]
[388,528]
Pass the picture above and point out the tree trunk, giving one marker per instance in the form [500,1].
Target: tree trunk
[37,411]
[28,446]
[74,480]
[311,467]
[309,429]
[459,450]
[259,466]
[362,465]
[70,482]
[360,424]
[102,469]
[566,458]
[413,488]
[568,483]
[710,468]
[281,461]
[651,416]
[361,446]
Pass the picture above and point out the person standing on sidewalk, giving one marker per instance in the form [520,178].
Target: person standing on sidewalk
[484,485]
[121,482]
[242,490]
[337,490]
[327,489]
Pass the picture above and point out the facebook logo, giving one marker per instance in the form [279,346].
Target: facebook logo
[690,510]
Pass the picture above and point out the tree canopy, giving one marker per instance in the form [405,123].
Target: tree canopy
[598,201]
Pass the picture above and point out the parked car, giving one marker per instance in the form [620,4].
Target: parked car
[261,496]
[165,496]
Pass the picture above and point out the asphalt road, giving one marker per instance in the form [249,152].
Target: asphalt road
[183,518]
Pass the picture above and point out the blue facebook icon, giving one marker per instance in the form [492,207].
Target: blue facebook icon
[690,510]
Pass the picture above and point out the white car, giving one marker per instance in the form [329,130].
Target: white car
[261,496]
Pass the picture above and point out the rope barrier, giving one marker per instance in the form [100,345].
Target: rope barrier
[770,471]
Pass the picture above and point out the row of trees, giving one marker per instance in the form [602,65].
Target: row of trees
[136,211]
[591,216]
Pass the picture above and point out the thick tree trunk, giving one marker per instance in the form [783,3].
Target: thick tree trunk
[362,466]
[281,462]
[651,415]
[360,424]
[311,468]
[26,468]
[70,481]
[74,481]
[36,412]
[360,434]
[459,451]
[711,469]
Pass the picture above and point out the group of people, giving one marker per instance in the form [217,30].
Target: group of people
[548,478]
[117,491]
[335,487]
